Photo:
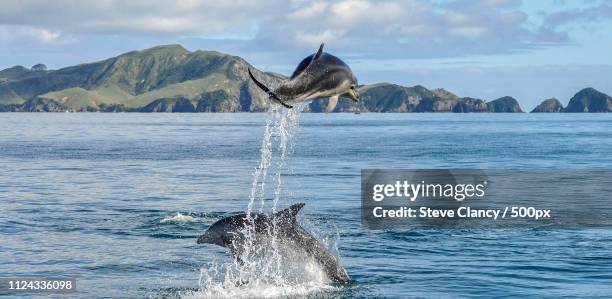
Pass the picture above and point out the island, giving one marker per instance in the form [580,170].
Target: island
[172,79]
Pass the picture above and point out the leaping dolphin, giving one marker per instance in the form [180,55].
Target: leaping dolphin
[230,232]
[319,75]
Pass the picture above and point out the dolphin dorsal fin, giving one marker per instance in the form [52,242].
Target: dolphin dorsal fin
[315,57]
[304,64]
[290,213]
[319,52]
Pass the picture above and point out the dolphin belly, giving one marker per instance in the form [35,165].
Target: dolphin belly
[332,84]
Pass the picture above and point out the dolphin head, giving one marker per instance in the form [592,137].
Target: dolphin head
[222,232]
[352,93]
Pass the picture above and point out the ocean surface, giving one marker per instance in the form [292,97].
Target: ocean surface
[118,200]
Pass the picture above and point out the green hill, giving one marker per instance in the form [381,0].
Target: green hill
[137,78]
[172,79]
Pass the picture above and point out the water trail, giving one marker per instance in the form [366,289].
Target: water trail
[281,126]
[260,174]
[287,128]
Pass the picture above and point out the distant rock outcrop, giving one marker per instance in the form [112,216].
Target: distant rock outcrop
[504,104]
[589,100]
[444,94]
[179,104]
[112,108]
[548,106]
[218,101]
[35,105]
[43,105]
[387,97]
[465,105]
[39,67]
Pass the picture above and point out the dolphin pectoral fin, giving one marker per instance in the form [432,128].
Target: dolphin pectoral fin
[290,213]
[331,104]
[267,90]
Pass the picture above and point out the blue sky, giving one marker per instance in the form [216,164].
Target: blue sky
[530,50]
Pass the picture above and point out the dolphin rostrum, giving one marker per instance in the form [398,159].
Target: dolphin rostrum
[319,75]
[230,232]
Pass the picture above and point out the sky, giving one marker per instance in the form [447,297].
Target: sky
[531,50]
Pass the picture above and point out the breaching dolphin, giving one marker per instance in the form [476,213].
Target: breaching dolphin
[230,232]
[319,75]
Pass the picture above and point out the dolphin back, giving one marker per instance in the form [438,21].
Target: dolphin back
[292,231]
[301,67]
[289,215]
[314,248]
[316,73]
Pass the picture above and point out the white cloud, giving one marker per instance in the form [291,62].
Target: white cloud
[156,17]
[30,35]
[471,32]
[47,36]
[315,9]
[419,28]
[312,40]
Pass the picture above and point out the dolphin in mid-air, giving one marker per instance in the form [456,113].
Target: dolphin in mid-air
[230,232]
[319,75]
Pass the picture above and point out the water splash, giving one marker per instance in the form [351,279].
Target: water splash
[179,218]
[310,281]
[260,174]
[267,268]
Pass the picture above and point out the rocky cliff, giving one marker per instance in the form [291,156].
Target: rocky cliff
[548,106]
[589,100]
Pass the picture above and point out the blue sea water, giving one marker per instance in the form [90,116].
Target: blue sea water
[117,200]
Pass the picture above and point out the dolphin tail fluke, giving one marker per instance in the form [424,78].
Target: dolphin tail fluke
[290,213]
[268,91]
[331,104]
